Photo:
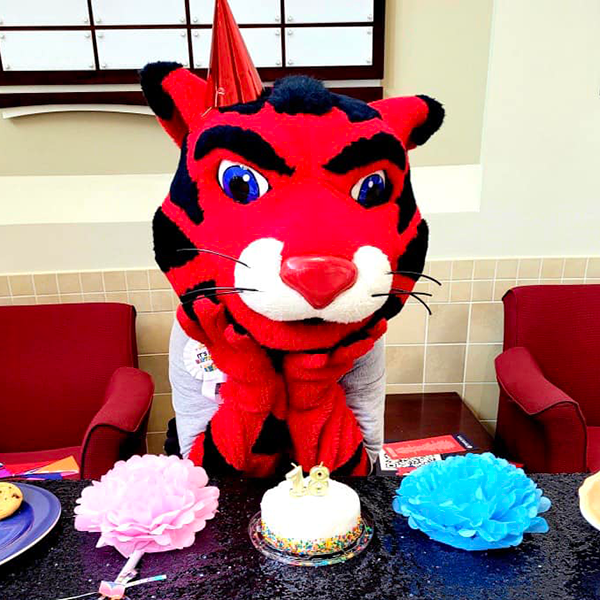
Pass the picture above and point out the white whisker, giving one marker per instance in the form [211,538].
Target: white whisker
[215,253]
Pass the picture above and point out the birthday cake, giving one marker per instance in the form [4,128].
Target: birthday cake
[299,517]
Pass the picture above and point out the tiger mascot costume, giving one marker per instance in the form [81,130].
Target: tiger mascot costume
[291,236]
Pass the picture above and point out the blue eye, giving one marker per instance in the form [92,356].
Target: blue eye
[371,190]
[241,182]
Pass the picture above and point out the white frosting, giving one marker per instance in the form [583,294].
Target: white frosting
[310,517]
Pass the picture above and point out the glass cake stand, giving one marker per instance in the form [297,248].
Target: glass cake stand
[314,560]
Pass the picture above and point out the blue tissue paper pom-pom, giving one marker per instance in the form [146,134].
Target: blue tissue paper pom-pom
[473,502]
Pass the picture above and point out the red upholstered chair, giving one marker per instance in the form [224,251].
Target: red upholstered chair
[549,376]
[69,385]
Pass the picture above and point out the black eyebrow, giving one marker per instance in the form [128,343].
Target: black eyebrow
[244,142]
[364,151]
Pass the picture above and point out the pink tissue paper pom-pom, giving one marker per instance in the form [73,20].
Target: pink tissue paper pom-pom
[148,503]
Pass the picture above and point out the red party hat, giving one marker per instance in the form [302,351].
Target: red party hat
[232,77]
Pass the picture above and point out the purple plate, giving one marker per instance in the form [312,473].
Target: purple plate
[36,517]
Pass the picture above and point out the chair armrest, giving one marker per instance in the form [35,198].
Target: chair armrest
[559,420]
[521,378]
[128,398]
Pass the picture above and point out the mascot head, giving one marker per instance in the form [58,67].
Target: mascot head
[294,210]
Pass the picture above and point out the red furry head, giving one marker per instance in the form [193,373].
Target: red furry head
[295,210]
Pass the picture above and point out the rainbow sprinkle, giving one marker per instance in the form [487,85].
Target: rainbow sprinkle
[309,547]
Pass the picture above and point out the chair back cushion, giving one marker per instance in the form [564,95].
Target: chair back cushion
[56,363]
[560,326]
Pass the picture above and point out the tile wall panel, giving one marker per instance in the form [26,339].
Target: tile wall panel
[453,350]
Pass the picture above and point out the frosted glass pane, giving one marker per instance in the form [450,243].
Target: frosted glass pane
[201,39]
[47,51]
[329,46]
[331,11]
[138,12]
[133,48]
[263,43]
[244,11]
[43,12]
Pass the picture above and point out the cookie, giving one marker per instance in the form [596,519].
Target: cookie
[11,498]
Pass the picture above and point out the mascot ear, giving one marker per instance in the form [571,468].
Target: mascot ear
[414,118]
[175,95]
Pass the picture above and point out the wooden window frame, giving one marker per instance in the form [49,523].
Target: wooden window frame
[107,76]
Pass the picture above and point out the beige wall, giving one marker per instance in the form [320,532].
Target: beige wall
[434,47]
[441,48]
[541,137]
[77,190]
[540,145]
[85,143]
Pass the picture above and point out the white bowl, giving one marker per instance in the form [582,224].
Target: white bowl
[589,500]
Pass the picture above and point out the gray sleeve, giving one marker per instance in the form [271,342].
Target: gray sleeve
[193,411]
[365,395]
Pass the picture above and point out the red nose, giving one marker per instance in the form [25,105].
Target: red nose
[320,279]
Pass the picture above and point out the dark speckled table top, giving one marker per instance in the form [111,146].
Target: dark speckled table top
[400,563]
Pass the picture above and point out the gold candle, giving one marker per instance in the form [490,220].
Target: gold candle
[297,478]
[318,481]
[318,484]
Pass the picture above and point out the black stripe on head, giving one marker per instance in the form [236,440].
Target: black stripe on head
[413,258]
[365,151]
[393,305]
[274,437]
[188,309]
[244,142]
[151,77]
[169,240]
[192,294]
[200,291]
[247,108]
[407,204]
[300,94]
[184,191]
[356,110]
[435,117]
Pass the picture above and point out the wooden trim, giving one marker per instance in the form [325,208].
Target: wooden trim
[378,38]
[38,99]
[188,25]
[92,27]
[373,71]
[188,18]
[92,33]
[131,75]
[367,94]
[282,31]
